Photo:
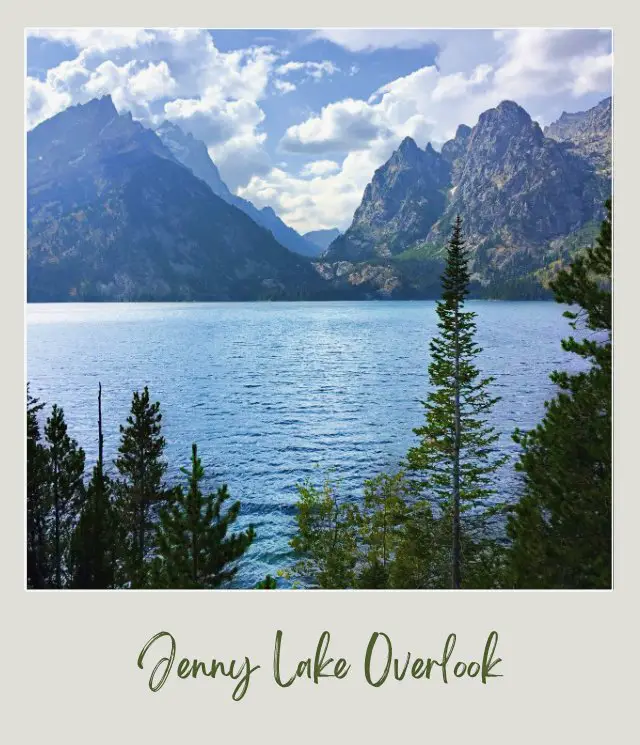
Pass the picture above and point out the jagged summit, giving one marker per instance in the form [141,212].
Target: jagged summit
[514,187]
[408,144]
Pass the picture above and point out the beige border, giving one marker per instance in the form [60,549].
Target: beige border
[569,673]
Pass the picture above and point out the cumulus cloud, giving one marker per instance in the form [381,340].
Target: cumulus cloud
[101,39]
[340,127]
[152,82]
[177,74]
[530,66]
[319,168]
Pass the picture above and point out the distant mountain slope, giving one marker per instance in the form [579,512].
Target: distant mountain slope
[521,196]
[112,215]
[193,153]
[588,133]
[321,238]
[405,197]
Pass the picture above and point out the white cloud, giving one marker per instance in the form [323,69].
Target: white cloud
[283,86]
[315,70]
[530,66]
[340,127]
[325,200]
[179,74]
[101,39]
[366,40]
[167,73]
[319,168]
[153,82]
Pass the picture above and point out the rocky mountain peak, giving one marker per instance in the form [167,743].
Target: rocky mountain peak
[586,133]
[508,118]
[408,145]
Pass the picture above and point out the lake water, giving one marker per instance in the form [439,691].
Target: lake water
[274,393]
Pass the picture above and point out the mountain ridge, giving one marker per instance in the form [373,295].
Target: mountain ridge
[113,215]
[193,153]
[518,192]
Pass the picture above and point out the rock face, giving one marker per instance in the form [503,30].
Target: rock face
[404,199]
[588,133]
[193,153]
[321,238]
[518,192]
[112,215]
[516,188]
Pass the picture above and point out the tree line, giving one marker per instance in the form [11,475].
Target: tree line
[130,529]
[438,522]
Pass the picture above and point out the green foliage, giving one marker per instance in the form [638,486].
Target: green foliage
[268,583]
[456,457]
[380,523]
[561,527]
[140,488]
[96,540]
[422,560]
[194,548]
[326,539]
[64,470]
[38,566]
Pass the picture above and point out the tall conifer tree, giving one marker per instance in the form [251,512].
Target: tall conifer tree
[140,488]
[456,457]
[38,565]
[94,546]
[63,473]
[561,527]
[195,549]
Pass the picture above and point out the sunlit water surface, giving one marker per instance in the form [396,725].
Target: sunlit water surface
[274,393]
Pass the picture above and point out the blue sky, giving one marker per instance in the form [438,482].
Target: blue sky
[299,119]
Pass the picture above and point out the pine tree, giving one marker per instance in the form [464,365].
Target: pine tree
[268,583]
[63,474]
[94,545]
[195,549]
[380,524]
[326,541]
[561,527]
[422,558]
[456,458]
[140,488]
[38,565]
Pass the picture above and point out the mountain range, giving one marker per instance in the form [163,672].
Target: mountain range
[116,211]
[112,214]
[527,198]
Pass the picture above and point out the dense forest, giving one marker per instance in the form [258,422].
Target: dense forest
[424,526]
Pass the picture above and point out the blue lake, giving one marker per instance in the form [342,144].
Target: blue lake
[274,393]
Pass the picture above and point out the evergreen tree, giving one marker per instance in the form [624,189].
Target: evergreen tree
[380,524]
[561,527]
[140,488]
[456,458]
[38,565]
[94,545]
[63,476]
[326,541]
[268,583]
[195,549]
[422,559]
